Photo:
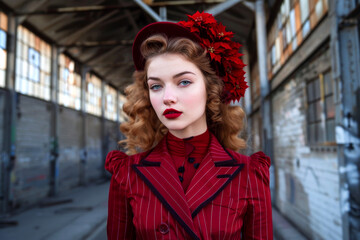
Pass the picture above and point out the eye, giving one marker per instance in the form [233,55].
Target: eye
[185,82]
[155,87]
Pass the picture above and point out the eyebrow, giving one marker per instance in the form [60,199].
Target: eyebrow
[175,76]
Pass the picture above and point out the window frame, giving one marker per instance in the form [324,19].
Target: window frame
[322,121]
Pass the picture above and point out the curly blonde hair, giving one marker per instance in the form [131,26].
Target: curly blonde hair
[144,130]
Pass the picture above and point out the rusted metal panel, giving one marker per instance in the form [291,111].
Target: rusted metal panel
[30,180]
[69,148]
[94,166]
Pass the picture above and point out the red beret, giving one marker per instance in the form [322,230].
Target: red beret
[169,29]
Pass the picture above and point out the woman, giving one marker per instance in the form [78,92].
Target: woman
[188,181]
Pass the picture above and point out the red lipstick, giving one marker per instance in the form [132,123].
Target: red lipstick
[171,113]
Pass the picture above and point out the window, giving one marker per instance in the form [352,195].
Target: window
[3,52]
[321,110]
[295,20]
[69,83]
[93,94]
[33,65]
[110,103]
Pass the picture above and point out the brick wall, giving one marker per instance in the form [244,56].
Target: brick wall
[307,178]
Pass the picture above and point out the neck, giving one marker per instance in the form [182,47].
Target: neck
[188,134]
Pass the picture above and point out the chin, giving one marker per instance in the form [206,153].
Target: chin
[174,128]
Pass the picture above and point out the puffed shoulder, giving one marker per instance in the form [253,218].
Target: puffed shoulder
[114,160]
[260,158]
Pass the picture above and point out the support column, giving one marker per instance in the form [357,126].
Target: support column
[248,106]
[83,156]
[117,115]
[345,49]
[54,134]
[11,99]
[104,140]
[265,107]
[264,83]
[246,101]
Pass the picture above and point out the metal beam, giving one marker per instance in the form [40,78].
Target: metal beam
[100,58]
[149,10]
[249,5]
[31,6]
[131,18]
[54,22]
[221,7]
[91,44]
[82,9]
[77,35]
[163,13]
[188,2]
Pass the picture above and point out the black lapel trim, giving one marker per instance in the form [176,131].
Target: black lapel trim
[228,163]
[197,210]
[149,163]
[223,176]
[166,204]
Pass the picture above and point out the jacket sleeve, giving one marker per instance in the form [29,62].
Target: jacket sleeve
[258,217]
[119,222]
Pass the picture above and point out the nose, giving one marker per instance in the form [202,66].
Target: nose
[169,96]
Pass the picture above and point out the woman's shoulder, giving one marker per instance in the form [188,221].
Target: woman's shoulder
[117,160]
[258,159]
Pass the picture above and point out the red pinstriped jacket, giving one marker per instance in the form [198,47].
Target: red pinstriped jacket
[228,197]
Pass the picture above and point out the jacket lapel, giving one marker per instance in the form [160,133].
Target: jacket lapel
[158,172]
[216,171]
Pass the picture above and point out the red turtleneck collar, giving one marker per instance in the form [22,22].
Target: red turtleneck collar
[195,146]
[187,154]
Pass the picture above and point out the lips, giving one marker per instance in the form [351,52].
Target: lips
[171,113]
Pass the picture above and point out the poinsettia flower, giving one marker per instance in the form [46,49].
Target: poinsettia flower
[216,49]
[224,54]
[221,34]
[202,19]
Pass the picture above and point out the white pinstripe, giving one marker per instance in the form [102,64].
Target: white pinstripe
[257,190]
[251,200]
[206,191]
[264,194]
[227,217]
[155,227]
[180,197]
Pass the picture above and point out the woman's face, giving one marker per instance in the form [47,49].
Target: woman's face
[178,94]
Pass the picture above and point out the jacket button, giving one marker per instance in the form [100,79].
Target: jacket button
[164,228]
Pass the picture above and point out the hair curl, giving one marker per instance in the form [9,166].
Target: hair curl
[144,130]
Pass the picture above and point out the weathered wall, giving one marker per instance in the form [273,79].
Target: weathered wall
[70,132]
[2,153]
[30,179]
[307,178]
[2,119]
[94,166]
[111,134]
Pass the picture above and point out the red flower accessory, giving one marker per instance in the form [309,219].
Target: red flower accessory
[224,53]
